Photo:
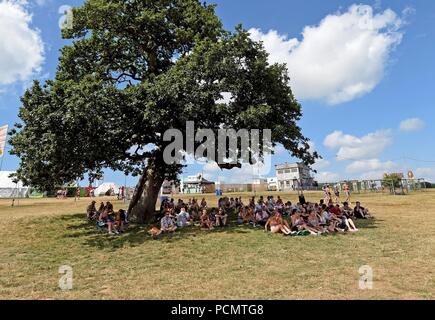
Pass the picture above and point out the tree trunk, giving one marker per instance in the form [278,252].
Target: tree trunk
[143,204]
[137,193]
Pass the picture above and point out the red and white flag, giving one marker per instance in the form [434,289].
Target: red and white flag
[3,137]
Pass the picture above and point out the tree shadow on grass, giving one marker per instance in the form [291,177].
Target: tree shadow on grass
[90,235]
[367,223]
[135,235]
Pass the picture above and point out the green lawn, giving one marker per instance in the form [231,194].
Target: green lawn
[236,263]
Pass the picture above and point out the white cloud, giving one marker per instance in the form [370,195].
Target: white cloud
[342,58]
[425,173]
[372,175]
[321,164]
[245,174]
[413,124]
[21,47]
[326,176]
[211,167]
[355,148]
[369,165]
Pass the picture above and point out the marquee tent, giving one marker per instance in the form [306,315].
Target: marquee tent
[9,189]
[106,189]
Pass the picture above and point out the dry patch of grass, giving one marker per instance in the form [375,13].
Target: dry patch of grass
[236,263]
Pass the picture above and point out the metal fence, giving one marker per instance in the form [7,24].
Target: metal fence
[404,186]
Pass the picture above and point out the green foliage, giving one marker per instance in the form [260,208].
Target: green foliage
[135,69]
[392,179]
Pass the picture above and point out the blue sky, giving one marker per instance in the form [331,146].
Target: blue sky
[363,72]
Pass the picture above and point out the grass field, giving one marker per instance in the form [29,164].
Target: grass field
[39,236]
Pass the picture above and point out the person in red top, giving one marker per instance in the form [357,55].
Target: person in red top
[335,210]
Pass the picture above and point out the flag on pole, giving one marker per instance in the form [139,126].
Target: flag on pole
[3,137]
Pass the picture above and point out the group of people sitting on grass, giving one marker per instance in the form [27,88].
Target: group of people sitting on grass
[272,214]
[180,215]
[106,217]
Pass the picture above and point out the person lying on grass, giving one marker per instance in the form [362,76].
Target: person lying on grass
[167,223]
[277,224]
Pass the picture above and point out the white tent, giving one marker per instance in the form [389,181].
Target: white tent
[106,189]
[9,189]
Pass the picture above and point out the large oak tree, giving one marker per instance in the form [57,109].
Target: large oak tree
[135,69]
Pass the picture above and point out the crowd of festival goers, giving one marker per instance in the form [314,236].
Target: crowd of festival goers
[106,217]
[272,214]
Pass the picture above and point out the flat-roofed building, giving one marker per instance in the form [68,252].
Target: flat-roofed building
[293,176]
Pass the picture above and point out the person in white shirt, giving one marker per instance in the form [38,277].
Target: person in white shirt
[183,218]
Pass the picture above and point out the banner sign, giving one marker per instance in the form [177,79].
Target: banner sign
[3,138]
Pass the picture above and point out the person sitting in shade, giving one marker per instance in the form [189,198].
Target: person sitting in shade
[221,218]
[203,204]
[262,216]
[348,211]
[205,221]
[92,211]
[167,223]
[277,224]
[106,218]
[183,218]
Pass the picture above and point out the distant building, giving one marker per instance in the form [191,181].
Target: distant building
[272,184]
[293,176]
[197,185]
[259,181]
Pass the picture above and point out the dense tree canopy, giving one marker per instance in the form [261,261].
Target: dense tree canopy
[135,69]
